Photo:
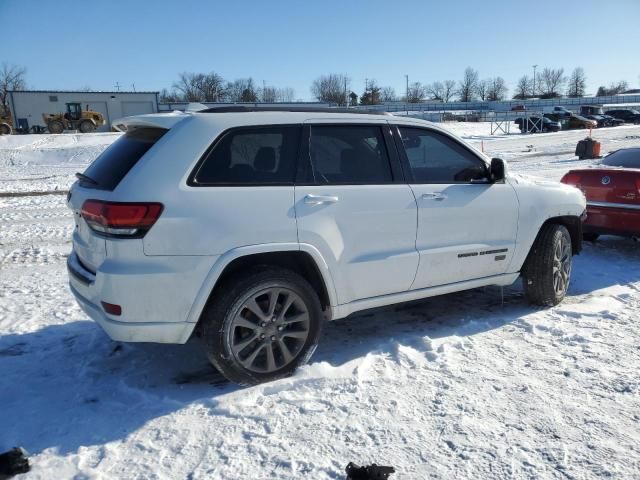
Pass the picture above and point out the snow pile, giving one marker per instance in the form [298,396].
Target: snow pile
[470,385]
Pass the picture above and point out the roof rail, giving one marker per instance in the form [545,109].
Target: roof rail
[246,108]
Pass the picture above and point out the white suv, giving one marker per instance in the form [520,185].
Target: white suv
[253,227]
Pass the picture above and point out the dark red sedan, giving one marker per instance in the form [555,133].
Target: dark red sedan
[613,194]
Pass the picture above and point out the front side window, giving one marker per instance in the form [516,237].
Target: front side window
[251,156]
[435,158]
[349,155]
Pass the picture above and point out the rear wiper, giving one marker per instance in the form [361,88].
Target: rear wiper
[85,178]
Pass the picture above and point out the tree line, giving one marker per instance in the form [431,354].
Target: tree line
[336,89]
[211,87]
[549,83]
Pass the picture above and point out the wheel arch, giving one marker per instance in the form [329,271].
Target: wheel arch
[301,258]
[571,222]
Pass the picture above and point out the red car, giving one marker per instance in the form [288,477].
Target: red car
[613,194]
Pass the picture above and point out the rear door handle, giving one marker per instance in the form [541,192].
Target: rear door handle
[319,199]
[433,196]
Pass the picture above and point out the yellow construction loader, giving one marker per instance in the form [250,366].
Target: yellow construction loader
[6,124]
[75,118]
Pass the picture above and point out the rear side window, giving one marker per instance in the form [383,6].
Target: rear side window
[108,170]
[251,156]
[435,158]
[629,158]
[349,154]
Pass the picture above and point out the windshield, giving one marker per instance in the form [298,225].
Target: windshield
[628,157]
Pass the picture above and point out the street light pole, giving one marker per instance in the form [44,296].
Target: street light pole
[534,80]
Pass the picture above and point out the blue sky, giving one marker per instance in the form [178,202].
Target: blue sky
[73,44]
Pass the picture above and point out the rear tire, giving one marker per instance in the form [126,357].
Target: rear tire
[5,129]
[86,127]
[547,270]
[55,126]
[262,325]
[590,237]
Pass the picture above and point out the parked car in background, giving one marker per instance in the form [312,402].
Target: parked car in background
[613,194]
[612,122]
[561,112]
[253,227]
[535,124]
[577,121]
[599,119]
[629,115]
[518,108]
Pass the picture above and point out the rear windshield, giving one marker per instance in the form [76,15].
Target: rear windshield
[115,162]
[629,158]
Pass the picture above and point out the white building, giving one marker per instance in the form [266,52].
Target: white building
[27,106]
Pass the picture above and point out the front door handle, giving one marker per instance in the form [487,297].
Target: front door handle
[433,196]
[319,199]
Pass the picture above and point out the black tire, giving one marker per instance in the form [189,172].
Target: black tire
[86,127]
[590,237]
[221,333]
[5,129]
[55,126]
[540,273]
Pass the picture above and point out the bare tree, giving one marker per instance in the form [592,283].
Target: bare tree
[11,78]
[551,82]
[389,94]
[241,90]
[200,87]
[468,85]
[482,89]
[577,83]
[286,94]
[613,89]
[331,88]
[416,93]
[435,91]
[496,89]
[524,88]
[169,96]
[269,95]
[449,90]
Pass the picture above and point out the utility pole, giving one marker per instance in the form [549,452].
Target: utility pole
[117,85]
[346,98]
[407,94]
[133,85]
[534,80]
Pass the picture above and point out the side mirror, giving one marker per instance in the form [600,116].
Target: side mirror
[497,170]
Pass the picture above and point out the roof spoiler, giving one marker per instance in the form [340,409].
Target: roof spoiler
[152,120]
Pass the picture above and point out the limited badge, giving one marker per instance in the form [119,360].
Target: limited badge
[606,180]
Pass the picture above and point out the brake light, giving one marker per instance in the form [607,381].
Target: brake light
[120,219]
[571,179]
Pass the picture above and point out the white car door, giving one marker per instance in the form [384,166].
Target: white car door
[467,226]
[353,205]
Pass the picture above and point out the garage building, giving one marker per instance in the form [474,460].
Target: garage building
[27,106]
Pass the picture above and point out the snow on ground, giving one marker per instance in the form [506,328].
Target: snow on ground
[470,385]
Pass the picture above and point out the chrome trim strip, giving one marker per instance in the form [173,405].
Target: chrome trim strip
[627,206]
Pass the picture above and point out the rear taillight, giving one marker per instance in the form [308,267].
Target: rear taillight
[120,219]
[571,179]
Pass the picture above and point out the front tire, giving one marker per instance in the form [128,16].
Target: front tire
[547,271]
[262,326]
[86,127]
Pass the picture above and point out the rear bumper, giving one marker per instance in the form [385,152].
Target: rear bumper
[156,296]
[155,332]
[612,218]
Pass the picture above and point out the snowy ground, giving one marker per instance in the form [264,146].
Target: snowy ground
[462,386]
